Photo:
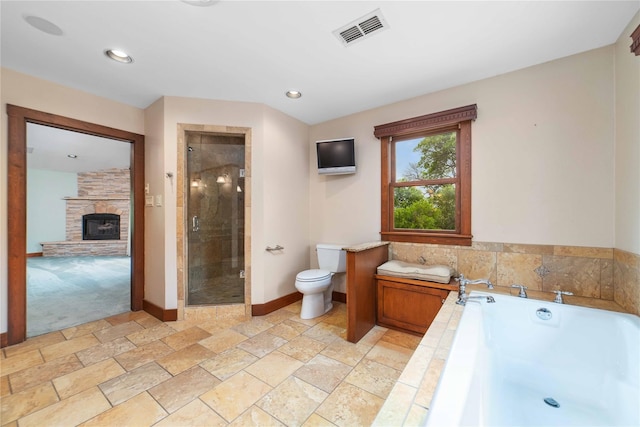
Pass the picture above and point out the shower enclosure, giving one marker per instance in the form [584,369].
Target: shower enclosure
[215,184]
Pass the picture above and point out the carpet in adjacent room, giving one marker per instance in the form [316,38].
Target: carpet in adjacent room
[68,291]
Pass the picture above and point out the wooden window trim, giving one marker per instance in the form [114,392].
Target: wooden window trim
[635,41]
[460,117]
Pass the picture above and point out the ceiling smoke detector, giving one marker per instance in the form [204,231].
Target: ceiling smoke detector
[362,28]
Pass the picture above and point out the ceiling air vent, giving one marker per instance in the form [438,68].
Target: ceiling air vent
[362,28]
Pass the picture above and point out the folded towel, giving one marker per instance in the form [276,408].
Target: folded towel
[431,273]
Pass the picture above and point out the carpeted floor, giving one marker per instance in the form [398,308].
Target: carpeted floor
[68,291]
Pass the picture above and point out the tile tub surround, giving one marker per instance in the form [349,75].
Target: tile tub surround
[626,273]
[409,400]
[596,273]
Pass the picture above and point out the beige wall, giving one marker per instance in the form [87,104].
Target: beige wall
[26,91]
[279,188]
[155,239]
[285,196]
[627,173]
[627,143]
[543,160]
[279,201]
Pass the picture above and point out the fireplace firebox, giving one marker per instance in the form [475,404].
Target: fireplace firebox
[102,226]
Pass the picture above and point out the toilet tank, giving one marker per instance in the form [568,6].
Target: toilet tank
[331,257]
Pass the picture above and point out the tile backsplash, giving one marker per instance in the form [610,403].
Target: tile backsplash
[600,273]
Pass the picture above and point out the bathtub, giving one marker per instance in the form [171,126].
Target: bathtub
[505,361]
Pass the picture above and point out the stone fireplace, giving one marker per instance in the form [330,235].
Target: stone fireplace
[97,219]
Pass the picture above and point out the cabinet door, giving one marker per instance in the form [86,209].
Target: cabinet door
[408,307]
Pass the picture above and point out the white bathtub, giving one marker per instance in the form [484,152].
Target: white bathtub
[505,361]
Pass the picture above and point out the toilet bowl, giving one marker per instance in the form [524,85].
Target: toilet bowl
[315,285]
[316,289]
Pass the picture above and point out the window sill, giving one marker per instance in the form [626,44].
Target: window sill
[433,238]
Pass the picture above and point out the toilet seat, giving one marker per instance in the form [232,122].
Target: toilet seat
[313,275]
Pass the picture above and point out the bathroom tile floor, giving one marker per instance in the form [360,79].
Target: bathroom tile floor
[132,369]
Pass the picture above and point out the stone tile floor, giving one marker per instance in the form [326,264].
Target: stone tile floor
[134,370]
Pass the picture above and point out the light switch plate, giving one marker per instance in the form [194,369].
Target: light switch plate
[159,200]
[148,201]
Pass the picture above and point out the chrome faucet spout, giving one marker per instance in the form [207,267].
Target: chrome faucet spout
[462,288]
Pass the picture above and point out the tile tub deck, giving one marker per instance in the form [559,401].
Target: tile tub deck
[408,402]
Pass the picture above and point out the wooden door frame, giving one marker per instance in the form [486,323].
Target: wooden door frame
[18,117]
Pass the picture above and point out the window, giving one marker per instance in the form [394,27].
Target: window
[426,178]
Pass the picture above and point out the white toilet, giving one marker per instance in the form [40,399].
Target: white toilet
[315,285]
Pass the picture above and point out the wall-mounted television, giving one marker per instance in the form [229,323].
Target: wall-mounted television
[336,156]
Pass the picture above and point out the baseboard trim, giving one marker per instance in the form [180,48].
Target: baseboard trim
[34,254]
[339,297]
[159,312]
[4,340]
[276,304]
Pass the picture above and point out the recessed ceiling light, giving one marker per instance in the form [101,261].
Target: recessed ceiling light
[72,156]
[201,2]
[293,94]
[119,56]
[43,25]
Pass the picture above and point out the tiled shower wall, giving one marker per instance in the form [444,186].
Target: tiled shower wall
[599,273]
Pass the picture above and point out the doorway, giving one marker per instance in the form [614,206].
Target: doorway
[215,208]
[213,221]
[18,118]
[78,241]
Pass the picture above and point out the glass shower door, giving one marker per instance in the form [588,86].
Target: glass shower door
[215,225]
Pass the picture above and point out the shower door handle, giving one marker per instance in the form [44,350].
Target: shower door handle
[195,223]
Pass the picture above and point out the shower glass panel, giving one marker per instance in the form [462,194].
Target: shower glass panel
[215,221]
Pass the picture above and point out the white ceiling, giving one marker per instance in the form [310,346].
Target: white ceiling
[254,51]
[48,149]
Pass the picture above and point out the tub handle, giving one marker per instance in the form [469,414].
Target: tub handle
[522,293]
[559,294]
[276,248]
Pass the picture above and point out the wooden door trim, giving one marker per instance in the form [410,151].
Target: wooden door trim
[18,117]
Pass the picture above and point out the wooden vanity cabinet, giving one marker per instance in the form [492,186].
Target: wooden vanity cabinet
[409,305]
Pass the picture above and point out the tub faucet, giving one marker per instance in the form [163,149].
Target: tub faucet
[522,293]
[558,298]
[462,289]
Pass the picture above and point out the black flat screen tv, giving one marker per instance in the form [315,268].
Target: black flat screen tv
[336,156]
